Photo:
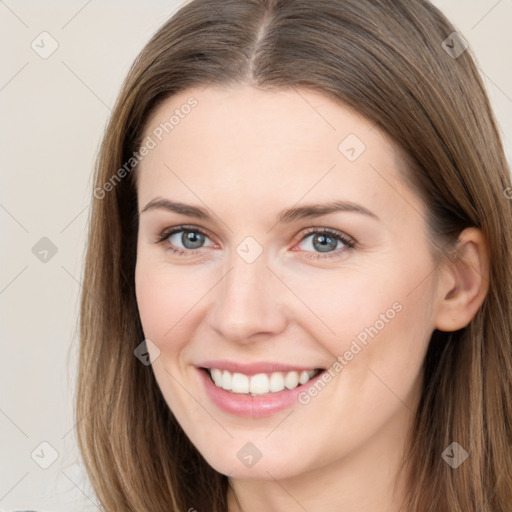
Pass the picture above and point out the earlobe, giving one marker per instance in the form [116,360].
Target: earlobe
[465,282]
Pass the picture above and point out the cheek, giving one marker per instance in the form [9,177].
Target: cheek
[166,302]
[156,303]
[379,319]
[341,304]
[170,300]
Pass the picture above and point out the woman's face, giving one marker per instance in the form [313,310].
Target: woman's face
[297,248]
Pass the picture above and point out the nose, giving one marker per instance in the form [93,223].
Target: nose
[248,302]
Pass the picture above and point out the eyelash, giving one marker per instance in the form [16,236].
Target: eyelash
[349,242]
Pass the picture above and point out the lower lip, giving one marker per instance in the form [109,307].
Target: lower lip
[252,406]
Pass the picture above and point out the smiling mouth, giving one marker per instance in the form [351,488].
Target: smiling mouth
[261,383]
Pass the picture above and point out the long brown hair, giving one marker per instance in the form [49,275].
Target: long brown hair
[388,61]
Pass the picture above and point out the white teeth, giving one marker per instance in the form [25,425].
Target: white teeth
[217,377]
[260,384]
[291,380]
[276,382]
[240,383]
[226,381]
[303,377]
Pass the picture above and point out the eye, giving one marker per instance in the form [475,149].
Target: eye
[184,239]
[317,243]
[325,243]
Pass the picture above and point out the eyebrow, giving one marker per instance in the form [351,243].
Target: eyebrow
[174,206]
[286,216]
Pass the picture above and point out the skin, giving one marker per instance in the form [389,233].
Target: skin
[245,155]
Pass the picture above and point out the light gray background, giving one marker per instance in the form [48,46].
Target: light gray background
[53,112]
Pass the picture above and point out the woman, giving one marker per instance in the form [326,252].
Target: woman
[297,292]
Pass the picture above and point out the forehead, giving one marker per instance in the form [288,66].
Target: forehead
[304,120]
[244,144]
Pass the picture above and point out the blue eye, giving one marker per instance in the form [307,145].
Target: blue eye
[325,243]
[190,239]
[322,242]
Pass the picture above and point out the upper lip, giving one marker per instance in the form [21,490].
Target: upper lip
[254,368]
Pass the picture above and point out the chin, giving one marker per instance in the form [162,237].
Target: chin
[242,459]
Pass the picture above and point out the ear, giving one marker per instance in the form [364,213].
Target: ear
[464,282]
